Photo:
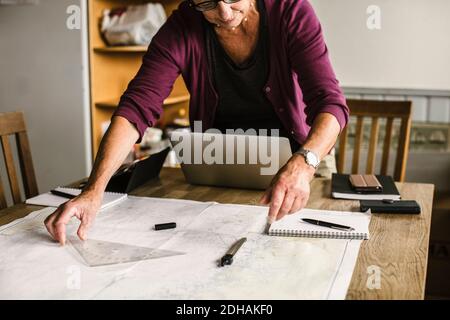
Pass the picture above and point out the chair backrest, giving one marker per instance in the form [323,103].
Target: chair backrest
[12,123]
[375,110]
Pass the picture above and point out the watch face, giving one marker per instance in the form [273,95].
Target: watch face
[311,158]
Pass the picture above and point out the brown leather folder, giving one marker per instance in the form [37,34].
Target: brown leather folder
[365,183]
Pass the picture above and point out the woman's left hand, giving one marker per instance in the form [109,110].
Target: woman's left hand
[290,188]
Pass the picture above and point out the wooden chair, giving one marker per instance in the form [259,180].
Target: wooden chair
[375,110]
[13,123]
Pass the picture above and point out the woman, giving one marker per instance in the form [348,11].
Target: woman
[247,64]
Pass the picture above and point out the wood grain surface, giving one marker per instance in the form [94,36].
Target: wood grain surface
[398,244]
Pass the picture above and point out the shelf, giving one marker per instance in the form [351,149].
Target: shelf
[169,101]
[177,99]
[107,104]
[119,49]
[111,68]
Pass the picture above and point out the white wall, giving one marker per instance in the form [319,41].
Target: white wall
[407,59]
[410,51]
[41,74]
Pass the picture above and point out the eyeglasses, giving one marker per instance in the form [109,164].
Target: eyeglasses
[209,5]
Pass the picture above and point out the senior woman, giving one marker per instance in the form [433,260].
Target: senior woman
[259,64]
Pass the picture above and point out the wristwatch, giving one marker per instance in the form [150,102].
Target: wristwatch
[310,157]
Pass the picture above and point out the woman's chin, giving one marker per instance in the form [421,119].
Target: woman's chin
[233,24]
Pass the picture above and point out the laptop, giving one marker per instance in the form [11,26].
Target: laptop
[139,172]
[230,160]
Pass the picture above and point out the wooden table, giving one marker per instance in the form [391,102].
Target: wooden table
[398,244]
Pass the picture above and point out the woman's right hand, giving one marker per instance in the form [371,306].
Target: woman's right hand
[84,207]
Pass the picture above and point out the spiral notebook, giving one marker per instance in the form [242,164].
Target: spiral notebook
[51,200]
[293,225]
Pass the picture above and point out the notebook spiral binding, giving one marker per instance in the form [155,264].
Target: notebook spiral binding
[319,234]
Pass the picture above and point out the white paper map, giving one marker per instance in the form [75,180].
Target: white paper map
[180,263]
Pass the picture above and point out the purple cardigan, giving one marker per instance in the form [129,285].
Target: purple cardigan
[301,82]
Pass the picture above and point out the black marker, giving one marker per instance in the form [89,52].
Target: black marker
[62,194]
[163,226]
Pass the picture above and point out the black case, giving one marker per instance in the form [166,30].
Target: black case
[140,172]
[390,206]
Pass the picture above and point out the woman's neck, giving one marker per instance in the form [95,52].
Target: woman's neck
[248,26]
[241,42]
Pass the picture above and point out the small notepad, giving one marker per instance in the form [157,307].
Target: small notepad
[293,226]
[51,200]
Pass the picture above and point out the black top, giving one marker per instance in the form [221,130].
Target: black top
[242,100]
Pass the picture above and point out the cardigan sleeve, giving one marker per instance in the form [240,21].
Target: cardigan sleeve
[309,59]
[142,102]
